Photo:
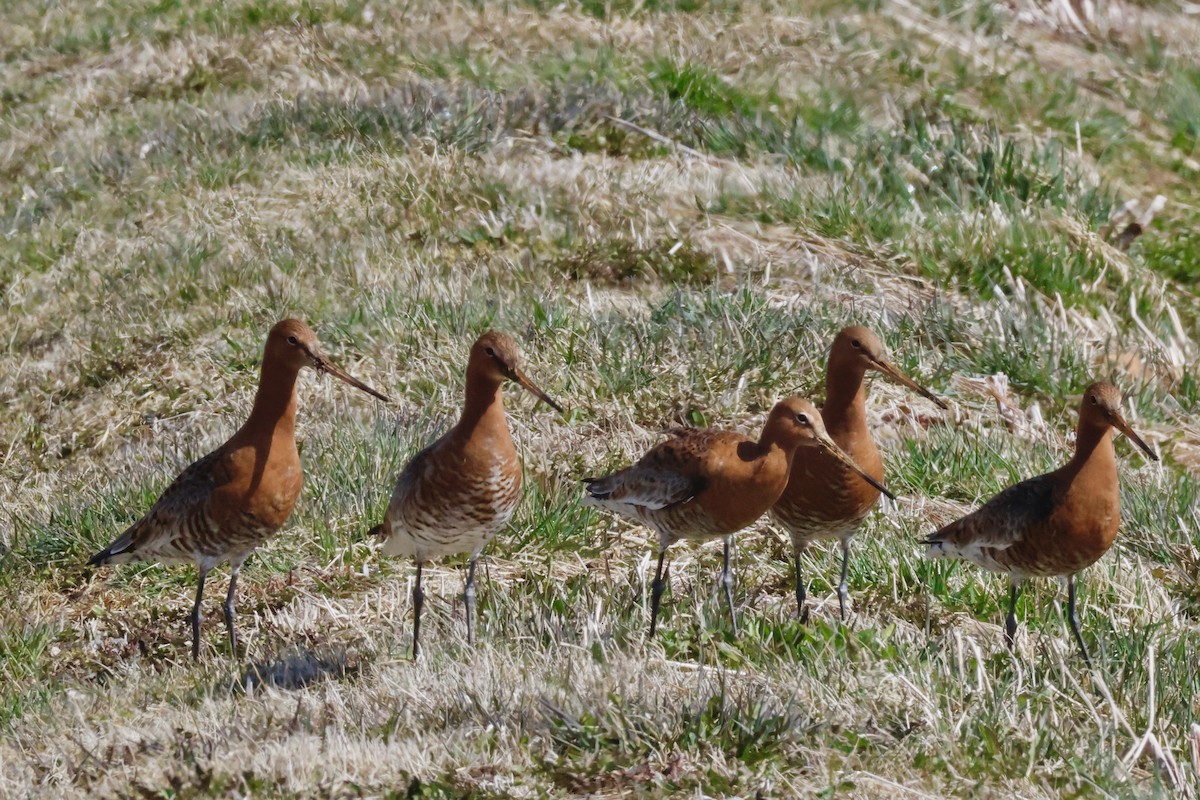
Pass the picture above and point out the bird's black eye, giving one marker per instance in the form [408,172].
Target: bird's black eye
[856,343]
[1092,398]
[292,340]
[490,352]
[802,419]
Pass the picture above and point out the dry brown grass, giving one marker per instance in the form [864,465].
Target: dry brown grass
[174,179]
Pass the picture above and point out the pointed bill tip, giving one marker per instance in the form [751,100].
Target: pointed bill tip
[1120,424]
[325,365]
[528,385]
[844,457]
[882,489]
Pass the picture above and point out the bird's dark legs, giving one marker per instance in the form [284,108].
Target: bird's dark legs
[801,593]
[228,608]
[418,598]
[195,617]
[1073,621]
[727,581]
[469,599]
[656,590]
[843,587]
[1010,622]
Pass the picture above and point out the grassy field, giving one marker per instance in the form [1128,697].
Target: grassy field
[673,205]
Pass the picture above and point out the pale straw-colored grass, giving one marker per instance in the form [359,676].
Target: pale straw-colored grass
[403,177]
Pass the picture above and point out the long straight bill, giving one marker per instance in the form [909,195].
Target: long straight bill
[523,379]
[325,365]
[841,455]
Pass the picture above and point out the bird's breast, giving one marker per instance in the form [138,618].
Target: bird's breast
[824,497]
[457,503]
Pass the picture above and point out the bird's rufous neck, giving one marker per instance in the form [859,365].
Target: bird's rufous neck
[1093,447]
[275,402]
[845,407]
[485,402]
[774,442]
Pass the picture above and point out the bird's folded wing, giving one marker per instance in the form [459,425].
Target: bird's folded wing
[651,489]
[1004,520]
[416,472]
[180,503]
[669,474]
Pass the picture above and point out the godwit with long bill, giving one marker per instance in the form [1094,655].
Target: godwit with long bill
[227,503]
[825,498]
[1056,524]
[458,492]
[704,484]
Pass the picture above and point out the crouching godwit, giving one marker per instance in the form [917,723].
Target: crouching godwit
[825,498]
[458,492]
[704,484]
[1055,524]
[227,503]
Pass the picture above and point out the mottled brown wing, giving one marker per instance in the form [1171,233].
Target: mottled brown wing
[414,472]
[1000,522]
[182,501]
[670,473]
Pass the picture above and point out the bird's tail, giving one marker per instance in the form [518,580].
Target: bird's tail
[597,488]
[118,552]
[937,546]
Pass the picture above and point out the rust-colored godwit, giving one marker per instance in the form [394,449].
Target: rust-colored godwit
[705,484]
[227,503]
[1055,524]
[824,498]
[458,492]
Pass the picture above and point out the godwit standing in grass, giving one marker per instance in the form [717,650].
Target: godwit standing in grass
[458,492]
[1055,524]
[824,498]
[225,505]
[703,484]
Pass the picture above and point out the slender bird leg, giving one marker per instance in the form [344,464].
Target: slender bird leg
[656,590]
[469,598]
[727,581]
[843,587]
[195,617]
[228,607]
[1010,622]
[801,592]
[418,598]
[1074,622]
